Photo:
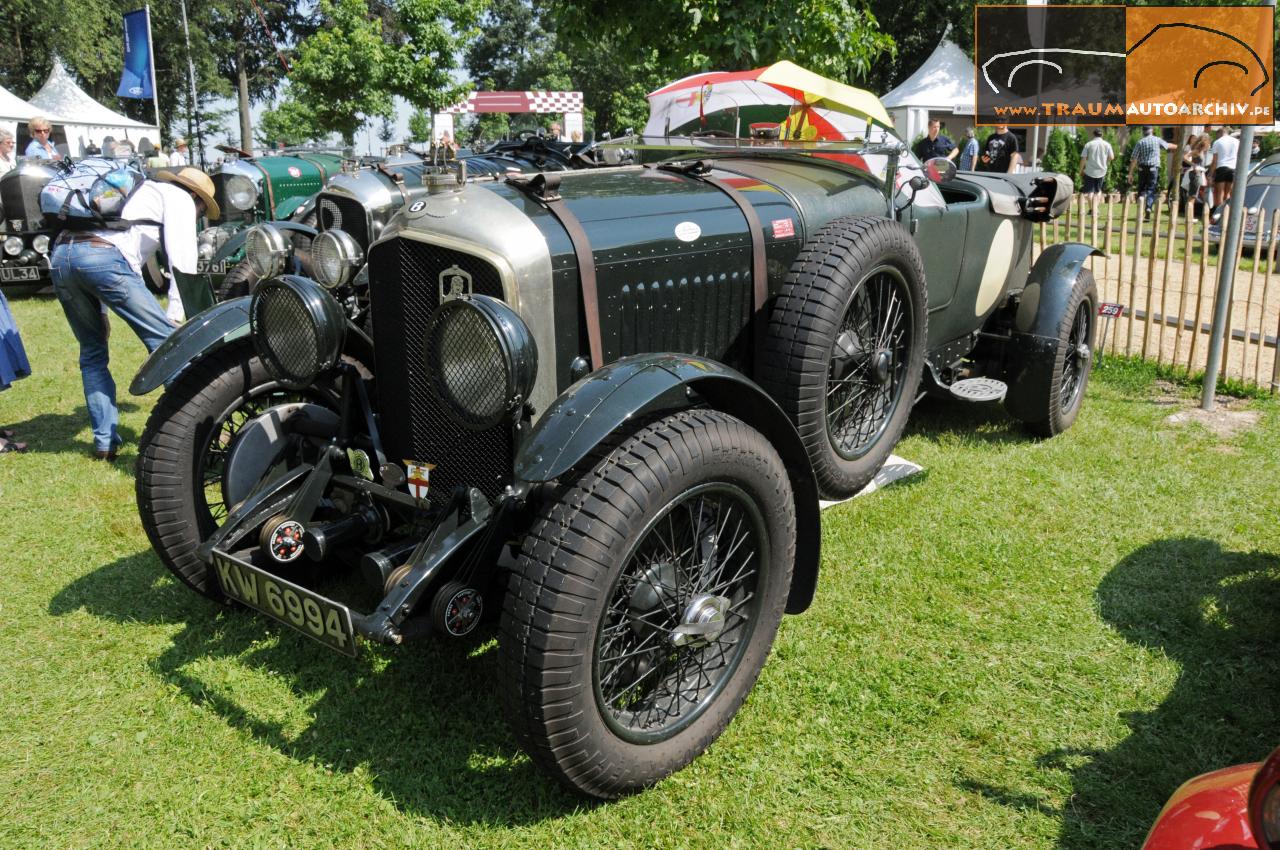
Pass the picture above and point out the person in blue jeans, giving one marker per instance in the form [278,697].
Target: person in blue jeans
[97,268]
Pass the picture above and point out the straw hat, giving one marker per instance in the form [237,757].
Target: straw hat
[179,143]
[196,181]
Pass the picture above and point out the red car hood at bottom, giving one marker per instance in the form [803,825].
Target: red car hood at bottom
[1209,812]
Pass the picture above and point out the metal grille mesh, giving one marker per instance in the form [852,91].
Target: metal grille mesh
[467,366]
[414,423]
[282,325]
[338,213]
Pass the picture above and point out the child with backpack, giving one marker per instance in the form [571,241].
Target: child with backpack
[114,221]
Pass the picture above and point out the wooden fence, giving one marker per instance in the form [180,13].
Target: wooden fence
[1163,269]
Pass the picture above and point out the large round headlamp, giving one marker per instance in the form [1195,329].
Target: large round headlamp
[267,249]
[13,246]
[335,258]
[481,359]
[241,193]
[41,244]
[297,329]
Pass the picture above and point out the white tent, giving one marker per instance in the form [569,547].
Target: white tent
[943,85]
[14,111]
[85,119]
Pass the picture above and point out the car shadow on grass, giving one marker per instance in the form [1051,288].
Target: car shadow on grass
[940,419]
[1214,613]
[55,433]
[421,721]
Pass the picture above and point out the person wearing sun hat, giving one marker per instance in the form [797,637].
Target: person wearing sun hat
[92,268]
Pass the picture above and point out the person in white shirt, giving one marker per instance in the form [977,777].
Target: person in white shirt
[92,268]
[1223,167]
[1094,161]
[179,155]
[7,143]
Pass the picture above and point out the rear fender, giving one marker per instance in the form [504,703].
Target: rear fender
[1035,325]
[611,397]
[220,325]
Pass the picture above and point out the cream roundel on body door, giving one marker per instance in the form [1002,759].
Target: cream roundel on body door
[996,271]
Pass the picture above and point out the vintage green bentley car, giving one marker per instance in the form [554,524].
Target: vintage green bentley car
[252,189]
[602,405]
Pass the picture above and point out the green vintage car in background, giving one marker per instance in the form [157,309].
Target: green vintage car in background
[252,189]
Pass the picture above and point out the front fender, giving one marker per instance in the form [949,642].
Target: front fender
[236,242]
[211,328]
[607,399]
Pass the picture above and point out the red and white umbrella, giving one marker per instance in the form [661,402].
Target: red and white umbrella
[801,103]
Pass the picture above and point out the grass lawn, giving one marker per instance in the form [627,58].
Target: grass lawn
[1028,646]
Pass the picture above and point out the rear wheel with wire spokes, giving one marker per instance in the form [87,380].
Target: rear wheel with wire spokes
[845,347]
[646,600]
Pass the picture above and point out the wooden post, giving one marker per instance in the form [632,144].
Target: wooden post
[1093,240]
[1133,276]
[1248,303]
[1266,291]
[1164,282]
[1124,239]
[1187,243]
[1204,264]
[1152,253]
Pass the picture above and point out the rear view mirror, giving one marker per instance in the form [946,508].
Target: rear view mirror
[940,169]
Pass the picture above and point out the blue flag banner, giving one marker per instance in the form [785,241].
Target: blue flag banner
[135,80]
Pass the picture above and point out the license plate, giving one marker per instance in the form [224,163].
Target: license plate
[21,274]
[316,617]
[206,267]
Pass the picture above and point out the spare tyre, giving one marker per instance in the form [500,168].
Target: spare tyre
[844,349]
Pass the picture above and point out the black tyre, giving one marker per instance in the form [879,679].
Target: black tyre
[645,602]
[845,347]
[1049,394]
[183,450]
[240,280]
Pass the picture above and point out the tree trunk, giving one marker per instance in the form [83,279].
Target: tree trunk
[242,77]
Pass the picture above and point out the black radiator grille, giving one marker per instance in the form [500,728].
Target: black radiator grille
[338,213]
[414,424]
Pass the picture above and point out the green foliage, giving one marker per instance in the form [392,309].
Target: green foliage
[840,40]
[1062,152]
[352,68]
[1268,143]
[290,121]
[420,126]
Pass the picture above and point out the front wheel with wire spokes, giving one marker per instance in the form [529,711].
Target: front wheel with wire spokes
[646,600]
[845,347]
[184,448]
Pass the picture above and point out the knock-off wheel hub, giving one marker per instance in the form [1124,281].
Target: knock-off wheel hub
[882,366]
[702,623]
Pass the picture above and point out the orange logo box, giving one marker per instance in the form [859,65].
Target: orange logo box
[1199,64]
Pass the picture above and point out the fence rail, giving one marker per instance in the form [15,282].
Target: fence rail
[1164,269]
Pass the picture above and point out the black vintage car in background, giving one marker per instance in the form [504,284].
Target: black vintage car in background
[24,236]
[603,403]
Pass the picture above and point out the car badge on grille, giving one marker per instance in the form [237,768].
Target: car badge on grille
[419,478]
[454,283]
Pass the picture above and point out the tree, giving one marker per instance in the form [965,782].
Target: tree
[836,38]
[291,122]
[386,131]
[247,51]
[420,126]
[364,55]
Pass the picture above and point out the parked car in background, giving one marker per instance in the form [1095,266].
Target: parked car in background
[1236,808]
[1261,201]
[24,235]
[252,189]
